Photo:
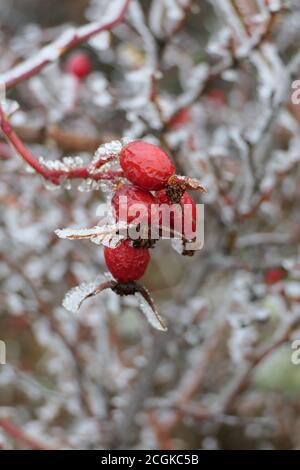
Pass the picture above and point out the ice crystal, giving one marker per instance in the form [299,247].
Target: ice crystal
[152,316]
[110,149]
[177,245]
[66,164]
[74,298]
[107,235]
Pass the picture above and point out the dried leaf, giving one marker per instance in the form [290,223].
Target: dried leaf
[193,184]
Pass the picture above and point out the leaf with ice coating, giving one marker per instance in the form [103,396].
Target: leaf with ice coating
[108,235]
[74,297]
[149,310]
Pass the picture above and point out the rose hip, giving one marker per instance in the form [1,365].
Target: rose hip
[146,165]
[126,264]
[137,203]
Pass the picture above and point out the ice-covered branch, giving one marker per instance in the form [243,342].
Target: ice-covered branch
[67,41]
[52,174]
[17,433]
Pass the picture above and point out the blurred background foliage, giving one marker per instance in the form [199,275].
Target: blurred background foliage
[222,377]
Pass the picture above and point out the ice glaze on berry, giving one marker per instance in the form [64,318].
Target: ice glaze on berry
[137,204]
[126,264]
[189,209]
[146,165]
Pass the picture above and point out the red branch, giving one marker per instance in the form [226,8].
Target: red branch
[17,433]
[52,175]
[63,44]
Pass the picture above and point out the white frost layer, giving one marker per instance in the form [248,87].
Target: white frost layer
[153,317]
[108,235]
[76,296]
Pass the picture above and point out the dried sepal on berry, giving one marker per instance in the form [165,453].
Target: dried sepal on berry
[74,299]
[177,185]
[77,295]
[107,235]
[148,307]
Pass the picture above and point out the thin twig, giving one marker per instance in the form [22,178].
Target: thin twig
[19,434]
[52,175]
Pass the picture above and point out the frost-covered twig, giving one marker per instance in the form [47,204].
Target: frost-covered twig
[256,239]
[44,310]
[241,379]
[63,44]
[20,435]
[53,175]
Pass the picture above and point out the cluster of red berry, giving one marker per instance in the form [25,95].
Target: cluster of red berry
[151,183]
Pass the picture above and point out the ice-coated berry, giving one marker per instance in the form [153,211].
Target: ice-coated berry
[146,165]
[126,264]
[188,209]
[138,203]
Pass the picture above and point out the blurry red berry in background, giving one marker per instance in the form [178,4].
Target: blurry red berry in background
[79,64]
[275,275]
[181,118]
[126,264]
[217,97]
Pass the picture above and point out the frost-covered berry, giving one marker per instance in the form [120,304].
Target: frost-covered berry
[79,64]
[146,165]
[188,211]
[126,264]
[150,168]
[130,202]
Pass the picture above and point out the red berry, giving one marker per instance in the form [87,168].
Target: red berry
[217,97]
[188,209]
[126,264]
[272,276]
[143,201]
[180,119]
[79,64]
[146,165]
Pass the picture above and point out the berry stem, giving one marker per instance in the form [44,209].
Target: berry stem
[53,175]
